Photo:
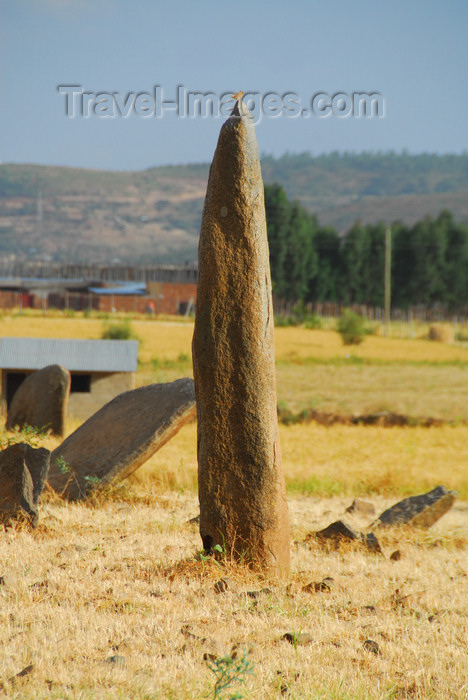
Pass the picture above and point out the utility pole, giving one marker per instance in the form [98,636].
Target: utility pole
[388,278]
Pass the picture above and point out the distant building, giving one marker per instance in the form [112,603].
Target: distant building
[163,289]
[100,369]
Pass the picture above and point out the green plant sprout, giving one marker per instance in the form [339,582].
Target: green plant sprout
[230,670]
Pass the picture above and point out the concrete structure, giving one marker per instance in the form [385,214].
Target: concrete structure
[100,369]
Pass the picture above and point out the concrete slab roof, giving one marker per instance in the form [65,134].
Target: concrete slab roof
[74,355]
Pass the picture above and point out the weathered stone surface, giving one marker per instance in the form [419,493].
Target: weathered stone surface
[340,531]
[371,646]
[420,511]
[23,472]
[241,484]
[37,461]
[325,584]
[120,437]
[337,530]
[361,507]
[41,400]
[298,638]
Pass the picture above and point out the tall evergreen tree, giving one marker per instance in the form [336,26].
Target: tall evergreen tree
[278,215]
[354,255]
[325,285]
[301,257]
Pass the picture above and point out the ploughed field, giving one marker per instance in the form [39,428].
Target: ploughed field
[109,599]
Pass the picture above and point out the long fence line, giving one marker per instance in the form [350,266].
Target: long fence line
[16,269]
[11,269]
[334,309]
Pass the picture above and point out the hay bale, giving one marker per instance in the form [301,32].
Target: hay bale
[441,333]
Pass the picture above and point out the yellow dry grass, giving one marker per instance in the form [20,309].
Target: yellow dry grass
[417,391]
[120,581]
[118,576]
[294,344]
[417,378]
[168,339]
[341,459]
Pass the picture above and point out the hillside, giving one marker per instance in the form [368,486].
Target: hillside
[154,215]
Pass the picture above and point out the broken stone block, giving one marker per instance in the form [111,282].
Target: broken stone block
[23,472]
[340,531]
[419,511]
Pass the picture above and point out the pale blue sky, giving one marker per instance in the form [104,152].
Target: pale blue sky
[414,52]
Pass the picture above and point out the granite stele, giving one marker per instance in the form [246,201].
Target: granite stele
[243,506]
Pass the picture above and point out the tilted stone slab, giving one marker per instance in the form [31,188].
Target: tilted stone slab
[240,477]
[41,401]
[23,473]
[120,437]
[419,511]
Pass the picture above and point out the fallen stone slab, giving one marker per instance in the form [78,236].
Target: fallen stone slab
[120,437]
[23,473]
[340,531]
[419,511]
[41,401]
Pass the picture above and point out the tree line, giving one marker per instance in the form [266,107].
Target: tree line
[310,262]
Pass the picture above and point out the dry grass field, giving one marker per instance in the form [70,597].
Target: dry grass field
[417,378]
[110,599]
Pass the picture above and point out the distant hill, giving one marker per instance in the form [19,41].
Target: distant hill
[154,215]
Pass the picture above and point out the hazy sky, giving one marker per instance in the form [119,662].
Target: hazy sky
[413,52]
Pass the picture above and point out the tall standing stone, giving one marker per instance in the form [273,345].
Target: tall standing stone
[241,484]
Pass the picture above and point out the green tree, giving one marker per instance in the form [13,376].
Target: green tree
[355,255]
[300,259]
[278,215]
[456,260]
[375,265]
[325,285]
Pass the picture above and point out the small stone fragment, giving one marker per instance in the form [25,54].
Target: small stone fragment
[361,507]
[223,585]
[419,511]
[396,555]
[371,646]
[255,595]
[155,594]
[21,674]
[296,639]
[371,609]
[339,531]
[238,648]
[319,586]
[371,542]
[117,660]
